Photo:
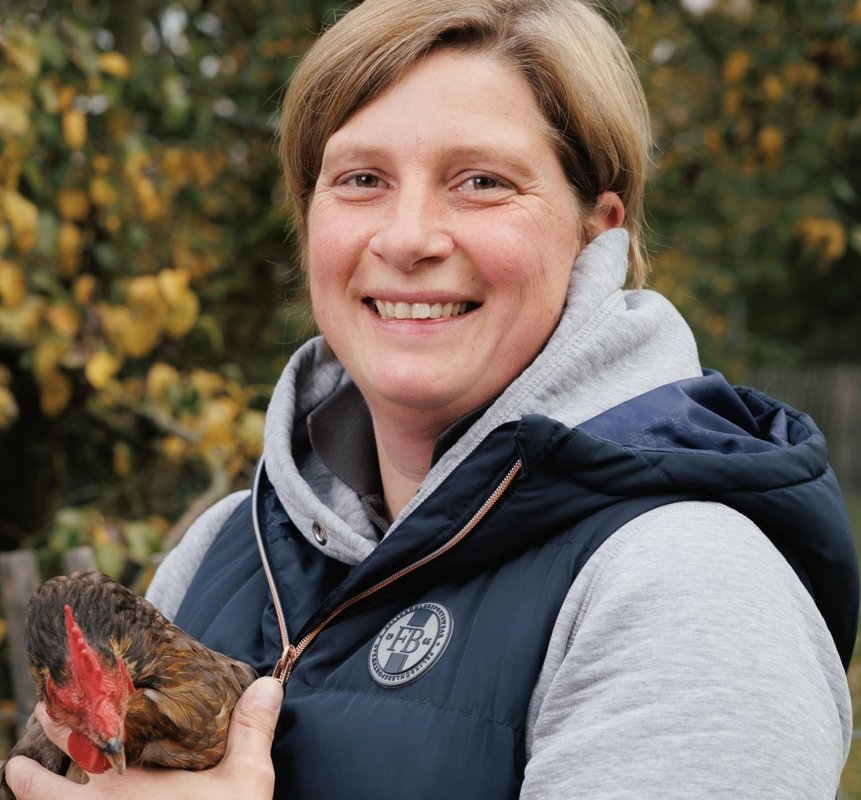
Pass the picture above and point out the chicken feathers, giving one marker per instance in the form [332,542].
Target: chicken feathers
[174,713]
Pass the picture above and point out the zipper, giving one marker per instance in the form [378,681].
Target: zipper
[290,653]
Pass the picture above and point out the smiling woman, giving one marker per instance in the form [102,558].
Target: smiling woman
[483,233]
[507,539]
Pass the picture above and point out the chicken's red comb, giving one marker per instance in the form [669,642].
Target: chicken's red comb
[83,662]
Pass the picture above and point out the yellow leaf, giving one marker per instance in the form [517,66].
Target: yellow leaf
[175,166]
[141,337]
[204,167]
[160,378]
[102,192]
[731,102]
[115,320]
[47,355]
[150,204]
[100,369]
[14,113]
[173,283]
[13,284]
[825,237]
[714,141]
[115,64]
[206,384]
[64,319]
[75,128]
[182,316]
[772,88]
[736,66]
[143,291]
[83,289]
[66,96]
[8,408]
[132,331]
[21,324]
[183,304]
[216,425]
[250,433]
[73,204]
[174,447]
[769,140]
[69,245]
[21,49]
[22,216]
[55,394]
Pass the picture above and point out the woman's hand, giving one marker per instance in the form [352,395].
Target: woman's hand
[245,771]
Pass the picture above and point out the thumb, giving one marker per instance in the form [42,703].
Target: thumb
[29,779]
[252,724]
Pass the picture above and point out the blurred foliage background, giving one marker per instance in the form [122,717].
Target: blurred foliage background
[149,294]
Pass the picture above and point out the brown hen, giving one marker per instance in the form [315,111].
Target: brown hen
[133,688]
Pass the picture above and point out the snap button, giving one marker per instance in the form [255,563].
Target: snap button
[319,533]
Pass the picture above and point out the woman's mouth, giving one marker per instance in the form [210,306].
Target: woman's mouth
[400,310]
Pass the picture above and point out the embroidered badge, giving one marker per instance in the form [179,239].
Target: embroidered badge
[410,643]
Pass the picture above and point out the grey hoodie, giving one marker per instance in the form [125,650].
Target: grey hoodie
[688,659]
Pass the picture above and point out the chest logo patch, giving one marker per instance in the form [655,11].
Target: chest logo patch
[410,644]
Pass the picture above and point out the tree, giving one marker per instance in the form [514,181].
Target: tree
[144,261]
[756,197]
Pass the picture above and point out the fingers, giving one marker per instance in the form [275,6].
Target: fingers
[252,724]
[249,738]
[29,780]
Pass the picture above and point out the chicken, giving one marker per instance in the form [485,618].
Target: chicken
[133,688]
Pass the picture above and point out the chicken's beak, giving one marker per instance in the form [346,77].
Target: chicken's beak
[114,752]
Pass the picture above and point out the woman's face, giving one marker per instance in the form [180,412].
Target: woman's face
[441,236]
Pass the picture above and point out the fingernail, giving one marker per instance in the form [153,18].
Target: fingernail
[267,692]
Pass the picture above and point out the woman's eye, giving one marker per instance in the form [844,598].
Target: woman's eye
[363,181]
[482,183]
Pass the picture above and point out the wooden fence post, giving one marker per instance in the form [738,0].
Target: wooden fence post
[81,558]
[19,579]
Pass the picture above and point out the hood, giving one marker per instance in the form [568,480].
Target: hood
[707,440]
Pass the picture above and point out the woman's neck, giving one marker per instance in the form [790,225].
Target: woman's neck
[405,452]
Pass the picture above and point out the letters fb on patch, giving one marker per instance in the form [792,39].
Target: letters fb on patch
[410,643]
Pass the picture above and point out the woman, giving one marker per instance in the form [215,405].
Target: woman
[506,538]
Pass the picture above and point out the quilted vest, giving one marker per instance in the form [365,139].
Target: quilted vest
[416,682]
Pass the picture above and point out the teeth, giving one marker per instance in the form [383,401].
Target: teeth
[402,310]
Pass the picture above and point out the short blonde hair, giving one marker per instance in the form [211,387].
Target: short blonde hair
[578,68]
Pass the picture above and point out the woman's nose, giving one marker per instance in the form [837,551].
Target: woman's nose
[413,232]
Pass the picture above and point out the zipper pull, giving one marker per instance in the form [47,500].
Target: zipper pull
[284,665]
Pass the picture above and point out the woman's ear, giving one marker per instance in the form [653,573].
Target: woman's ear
[609,213]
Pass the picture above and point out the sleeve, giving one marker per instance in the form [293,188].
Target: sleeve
[688,661]
[175,573]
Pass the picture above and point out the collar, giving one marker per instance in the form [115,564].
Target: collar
[341,433]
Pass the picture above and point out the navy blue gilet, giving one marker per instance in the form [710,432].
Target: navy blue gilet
[457,728]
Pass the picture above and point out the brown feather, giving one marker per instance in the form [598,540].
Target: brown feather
[184,692]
